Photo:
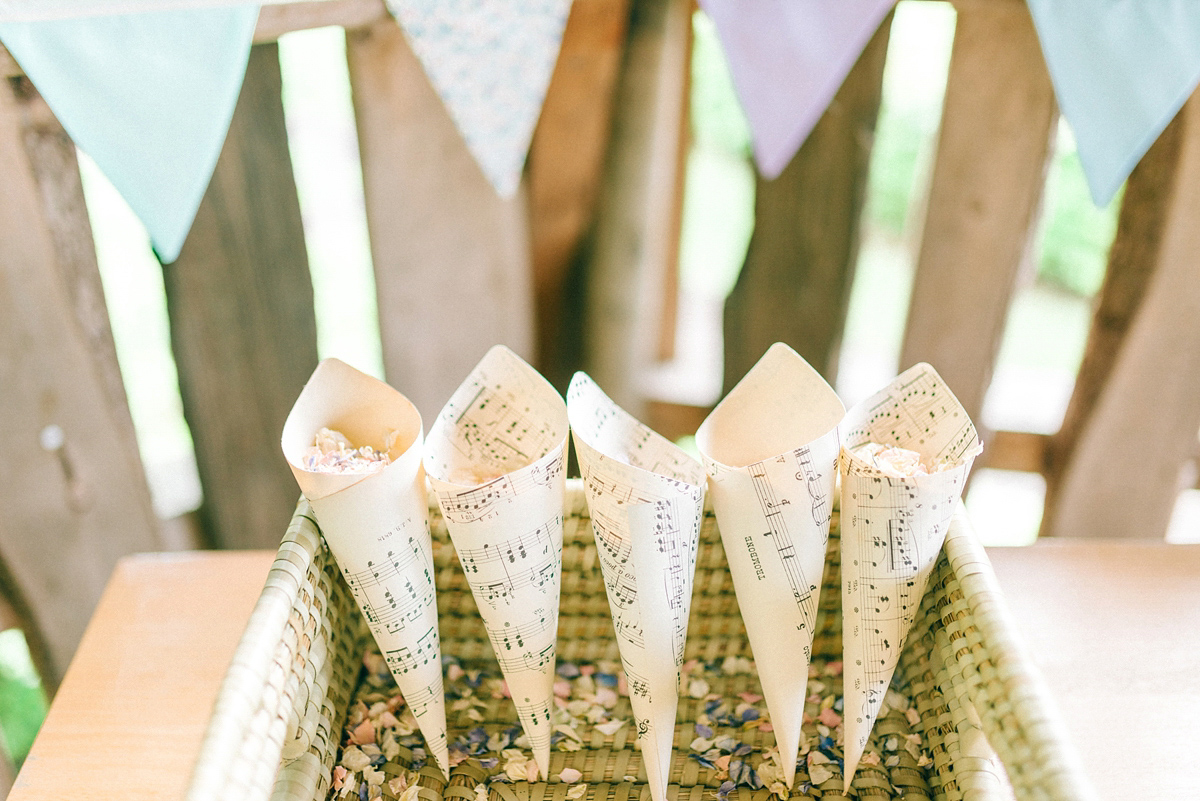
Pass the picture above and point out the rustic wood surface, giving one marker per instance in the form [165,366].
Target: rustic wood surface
[242,323]
[71,480]
[1115,629]
[1113,626]
[129,718]
[1137,398]
[795,284]
[451,257]
[566,162]
[637,224]
[988,177]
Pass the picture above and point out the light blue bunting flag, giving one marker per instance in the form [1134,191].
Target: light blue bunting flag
[149,96]
[1121,70]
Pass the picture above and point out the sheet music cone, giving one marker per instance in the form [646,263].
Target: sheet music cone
[892,528]
[770,449]
[495,458]
[377,527]
[646,498]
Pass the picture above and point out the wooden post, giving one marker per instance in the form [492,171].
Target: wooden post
[1133,419]
[566,162]
[637,227]
[242,322]
[795,284]
[993,151]
[71,481]
[452,270]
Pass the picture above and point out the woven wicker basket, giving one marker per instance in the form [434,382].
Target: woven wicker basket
[277,721]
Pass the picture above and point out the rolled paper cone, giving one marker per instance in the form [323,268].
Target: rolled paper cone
[893,528]
[646,499]
[770,449]
[495,457]
[377,527]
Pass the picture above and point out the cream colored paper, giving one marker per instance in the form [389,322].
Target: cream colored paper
[770,449]
[892,532]
[646,498]
[495,459]
[377,527]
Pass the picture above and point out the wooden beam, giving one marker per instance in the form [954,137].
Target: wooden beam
[566,162]
[795,284]
[275,20]
[452,270]
[71,481]
[1016,450]
[242,322]
[993,152]
[637,227]
[1133,419]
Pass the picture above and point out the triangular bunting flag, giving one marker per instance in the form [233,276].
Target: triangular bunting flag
[787,59]
[1121,71]
[490,64]
[148,96]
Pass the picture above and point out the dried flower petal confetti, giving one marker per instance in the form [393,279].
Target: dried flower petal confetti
[577,792]
[570,775]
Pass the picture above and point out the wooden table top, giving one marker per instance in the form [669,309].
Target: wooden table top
[1114,626]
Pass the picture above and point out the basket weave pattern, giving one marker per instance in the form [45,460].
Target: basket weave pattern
[278,719]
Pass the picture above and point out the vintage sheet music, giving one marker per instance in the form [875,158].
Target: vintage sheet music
[892,531]
[770,449]
[495,457]
[646,498]
[377,527]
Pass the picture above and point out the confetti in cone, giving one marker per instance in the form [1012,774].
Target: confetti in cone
[892,528]
[377,527]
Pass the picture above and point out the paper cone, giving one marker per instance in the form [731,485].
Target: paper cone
[377,527]
[495,458]
[892,532]
[646,498]
[771,451]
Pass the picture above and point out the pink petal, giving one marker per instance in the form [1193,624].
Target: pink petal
[750,698]
[829,717]
[339,776]
[363,733]
[562,688]
[570,775]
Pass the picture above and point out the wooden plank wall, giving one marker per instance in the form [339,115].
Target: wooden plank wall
[451,257]
[71,480]
[795,284]
[566,164]
[242,323]
[637,225]
[993,152]
[1117,464]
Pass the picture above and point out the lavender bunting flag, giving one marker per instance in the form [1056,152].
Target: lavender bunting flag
[787,59]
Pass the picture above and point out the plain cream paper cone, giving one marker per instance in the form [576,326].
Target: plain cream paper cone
[892,532]
[645,497]
[495,459]
[377,527]
[770,449]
